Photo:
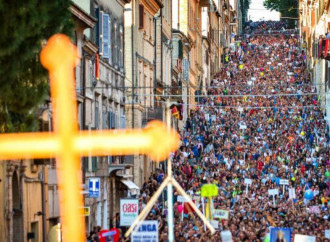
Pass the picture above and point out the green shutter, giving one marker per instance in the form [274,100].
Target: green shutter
[94,164]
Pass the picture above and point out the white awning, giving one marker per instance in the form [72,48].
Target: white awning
[130,185]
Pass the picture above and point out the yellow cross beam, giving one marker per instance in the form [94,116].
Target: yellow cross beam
[67,144]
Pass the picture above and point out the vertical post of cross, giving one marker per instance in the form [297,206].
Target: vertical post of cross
[60,57]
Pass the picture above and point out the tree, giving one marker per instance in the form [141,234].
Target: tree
[287,9]
[23,81]
[245,5]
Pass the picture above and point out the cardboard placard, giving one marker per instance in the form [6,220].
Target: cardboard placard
[284,182]
[272,192]
[247,181]
[221,213]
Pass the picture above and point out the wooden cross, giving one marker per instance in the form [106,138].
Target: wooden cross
[67,144]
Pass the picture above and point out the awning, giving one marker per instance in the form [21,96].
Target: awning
[130,185]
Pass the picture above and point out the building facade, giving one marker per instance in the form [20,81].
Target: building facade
[140,65]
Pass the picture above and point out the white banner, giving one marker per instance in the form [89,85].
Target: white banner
[146,230]
[327,233]
[129,210]
[247,181]
[304,238]
[221,213]
[284,182]
[272,192]
[226,236]
[292,193]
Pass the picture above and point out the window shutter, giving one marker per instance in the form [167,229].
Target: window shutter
[100,32]
[121,39]
[123,122]
[141,16]
[180,49]
[94,164]
[106,35]
[113,120]
[110,41]
[97,28]
[85,161]
[110,119]
[115,43]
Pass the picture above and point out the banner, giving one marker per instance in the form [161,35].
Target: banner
[327,233]
[146,230]
[280,234]
[129,210]
[226,236]
[221,213]
[314,209]
[304,238]
[292,193]
[209,190]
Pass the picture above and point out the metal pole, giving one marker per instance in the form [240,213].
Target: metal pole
[170,217]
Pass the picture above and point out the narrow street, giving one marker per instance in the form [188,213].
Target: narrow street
[258,132]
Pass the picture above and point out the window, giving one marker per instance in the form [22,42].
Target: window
[103,34]
[141,16]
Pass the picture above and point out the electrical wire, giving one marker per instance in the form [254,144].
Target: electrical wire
[247,107]
[229,95]
[220,86]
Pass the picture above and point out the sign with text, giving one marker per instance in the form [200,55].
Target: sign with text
[221,213]
[146,230]
[284,182]
[314,209]
[247,181]
[86,211]
[129,210]
[94,187]
[292,193]
[304,238]
[272,192]
[327,233]
[226,236]
[181,199]
[215,224]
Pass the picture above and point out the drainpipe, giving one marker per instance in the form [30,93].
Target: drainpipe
[132,58]
[43,204]
[155,54]
[84,107]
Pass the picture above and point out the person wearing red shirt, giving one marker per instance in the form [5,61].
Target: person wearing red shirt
[260,164]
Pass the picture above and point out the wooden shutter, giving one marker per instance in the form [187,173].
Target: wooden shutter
[94,164]
[141,16]
[106,35]
[110,41]
[100,32]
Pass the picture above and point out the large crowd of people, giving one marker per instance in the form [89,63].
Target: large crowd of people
[260,120]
